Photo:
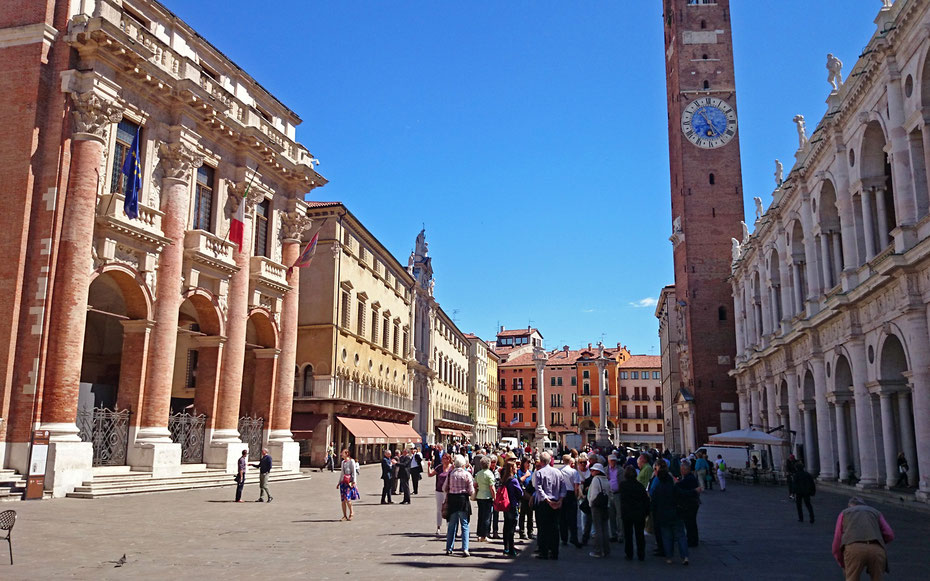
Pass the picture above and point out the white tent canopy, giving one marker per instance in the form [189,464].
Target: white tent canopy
[747,436]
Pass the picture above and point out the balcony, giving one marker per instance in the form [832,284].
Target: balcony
[120,239]
[624,398]
[208,252]
[657,398]
[454,417]
[267,276]
[359,393]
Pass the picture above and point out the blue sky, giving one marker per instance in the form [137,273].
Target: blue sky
[529,137]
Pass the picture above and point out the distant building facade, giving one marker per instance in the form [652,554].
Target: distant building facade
[642,415]
[677,402]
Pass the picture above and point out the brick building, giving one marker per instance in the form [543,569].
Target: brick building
[155,338]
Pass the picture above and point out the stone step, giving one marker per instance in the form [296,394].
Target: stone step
[204,474]
[133,486]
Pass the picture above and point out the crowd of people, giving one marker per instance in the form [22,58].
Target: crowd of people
[597,497]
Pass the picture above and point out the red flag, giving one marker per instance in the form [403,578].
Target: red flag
[307,255]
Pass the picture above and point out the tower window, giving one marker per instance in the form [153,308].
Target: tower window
[722,313]
[706,85]
[711,179]
[704,56]
[703,24]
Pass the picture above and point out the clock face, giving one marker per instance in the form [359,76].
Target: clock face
[709,122]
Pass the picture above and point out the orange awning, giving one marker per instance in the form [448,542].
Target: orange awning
[365,431]
[398,433]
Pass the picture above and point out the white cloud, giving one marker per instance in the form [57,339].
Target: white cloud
[587,310]
[644,303]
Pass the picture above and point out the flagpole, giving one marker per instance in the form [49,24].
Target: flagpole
[242,201]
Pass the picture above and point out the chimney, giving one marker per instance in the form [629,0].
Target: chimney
[502,328]
[589,346]
[618,346]
[528,327]
[565,349]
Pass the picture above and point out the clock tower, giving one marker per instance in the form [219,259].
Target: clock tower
[707,208]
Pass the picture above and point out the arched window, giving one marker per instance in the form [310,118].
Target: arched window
[706,84]
[722,313]
[711,179]
[308,380]
[703,24]
[704,56]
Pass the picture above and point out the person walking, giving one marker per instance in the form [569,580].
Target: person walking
[441,472]
[386,467]
[484,483]
[634,507]
[791,467]
[416,469]
[459,488]
[689,501]
[804,489]
[403,475]
[614,475]
[665,499]
[525,476]
[903,469]
[859,541]
[264,469]
[331,456]
[348,485]
[599,501]
[585,478]
[568,516]
[721,468]
[702,470]
[240,474]
[514,491]
[549,492]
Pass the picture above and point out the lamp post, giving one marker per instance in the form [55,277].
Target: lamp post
[603,434]
[542,433]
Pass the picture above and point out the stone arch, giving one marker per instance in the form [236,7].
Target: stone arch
[893,360]
[830,244]
[841,379]
[875,176]
[137,298]
[206,311]
[808,390]
[261,329]
[797,256]
[775,266]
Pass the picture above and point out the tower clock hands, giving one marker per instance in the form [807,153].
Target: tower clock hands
[710,125]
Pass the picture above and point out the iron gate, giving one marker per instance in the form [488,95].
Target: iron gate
[250,431]
[188,431]
[108,431]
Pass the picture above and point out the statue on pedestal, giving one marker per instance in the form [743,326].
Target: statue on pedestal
[745,232]
[834,71]
[779,173]
[802,131]
[736,249]
[759,209]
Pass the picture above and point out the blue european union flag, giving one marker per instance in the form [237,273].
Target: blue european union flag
[132,169]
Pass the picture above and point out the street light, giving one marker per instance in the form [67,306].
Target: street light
[542,433]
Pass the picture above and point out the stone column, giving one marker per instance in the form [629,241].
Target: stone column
[900,159]
[811,456]
[765,307]
[542,433]
[773,303]
[888,438]
[603,434]
[908,445]
[794,411]
[153,449]
[826,257]
[69,459]
[770,407]
[867,225]
[842,436]
[798,288]
[814,289]
[865,427]
[824,439]
[916,330]
[882,215]
[786,299]
[756,417]
[836,244]
[280,443]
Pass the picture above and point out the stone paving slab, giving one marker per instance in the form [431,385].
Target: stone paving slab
[749,532]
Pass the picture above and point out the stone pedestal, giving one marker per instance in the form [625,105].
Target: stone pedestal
[70,464]
[162,459]
[223,450]
[285,454]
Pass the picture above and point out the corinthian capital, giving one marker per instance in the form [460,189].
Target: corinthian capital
[178,159]
[294,224]
[250,193]
[93,115]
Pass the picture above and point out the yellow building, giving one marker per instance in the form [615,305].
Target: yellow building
[493,395]
[353,387]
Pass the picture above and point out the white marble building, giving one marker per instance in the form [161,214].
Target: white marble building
[832,289]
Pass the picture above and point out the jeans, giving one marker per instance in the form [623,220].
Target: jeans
[584,527]
[239,486]
[599,517]
[635,527]
[807,500]
[568,520]
[485,505]
[440,496]
[454,520]
[689,517]
[263,486]
[674,532]
[510,525]
[526,516]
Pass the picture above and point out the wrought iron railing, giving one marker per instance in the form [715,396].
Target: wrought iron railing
[108,431]
[250,432]
[188,431]
[454,417]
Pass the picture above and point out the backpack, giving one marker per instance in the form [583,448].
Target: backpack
[722,466]
[502,499]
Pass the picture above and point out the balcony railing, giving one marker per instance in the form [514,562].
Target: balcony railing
[268,272]
[657,398]
[357,392]
[454,417]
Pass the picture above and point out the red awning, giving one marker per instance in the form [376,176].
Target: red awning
[398,433]
[447,432]
[365,431]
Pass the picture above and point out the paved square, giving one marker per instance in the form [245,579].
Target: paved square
[749,532]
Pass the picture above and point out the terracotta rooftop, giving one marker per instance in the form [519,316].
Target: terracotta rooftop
[652,361]
[323,204]
[518,332]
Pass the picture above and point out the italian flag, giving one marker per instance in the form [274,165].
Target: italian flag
[237,226]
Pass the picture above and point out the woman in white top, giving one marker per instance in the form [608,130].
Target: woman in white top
[348,488]
[598,495]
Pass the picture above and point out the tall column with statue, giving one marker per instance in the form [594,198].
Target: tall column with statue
[603,434]
[542,432]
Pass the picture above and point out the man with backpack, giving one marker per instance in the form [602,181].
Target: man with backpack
[721,467]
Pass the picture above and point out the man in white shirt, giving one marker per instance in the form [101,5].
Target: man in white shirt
[568,521]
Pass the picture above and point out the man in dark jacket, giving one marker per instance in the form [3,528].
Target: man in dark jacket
[634,507]
[689,501]
[804,489]
[386,468]
[403,475]
[264,468]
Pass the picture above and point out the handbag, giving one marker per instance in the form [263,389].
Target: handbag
[346,479]
[650,526]
[601,501]
[236,478]
[584,506]
[445,508]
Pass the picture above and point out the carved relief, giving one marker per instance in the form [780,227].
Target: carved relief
[93,115]
[178,160]
[126,255]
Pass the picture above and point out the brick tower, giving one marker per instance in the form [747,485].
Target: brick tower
[707,207]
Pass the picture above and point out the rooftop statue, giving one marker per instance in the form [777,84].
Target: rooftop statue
[834,72]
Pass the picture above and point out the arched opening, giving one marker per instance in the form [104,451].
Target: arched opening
[830,240]
[783,411]
[778,312]
[710,178]
[810,453]
[721,313]
[844,418]
[878,208]
[703,24]
[307,381]
[258,367]
[897,415]
[757,305]
[918,151]
[706,84]
[196,358]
